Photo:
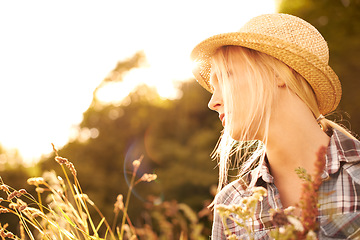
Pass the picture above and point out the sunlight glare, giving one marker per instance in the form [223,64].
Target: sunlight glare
[51,64]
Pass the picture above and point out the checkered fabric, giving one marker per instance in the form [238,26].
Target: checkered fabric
[339,211]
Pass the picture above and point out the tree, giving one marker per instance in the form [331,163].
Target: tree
[176,138]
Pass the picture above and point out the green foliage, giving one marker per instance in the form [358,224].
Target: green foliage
[338,22]
[64,214]
[176,138]
[302,174]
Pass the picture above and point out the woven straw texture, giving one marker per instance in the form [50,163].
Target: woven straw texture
[287,38]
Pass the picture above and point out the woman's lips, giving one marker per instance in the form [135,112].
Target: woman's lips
[222,119]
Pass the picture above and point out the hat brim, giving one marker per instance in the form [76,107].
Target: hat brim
[320,76]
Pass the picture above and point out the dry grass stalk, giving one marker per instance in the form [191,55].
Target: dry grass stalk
[65,216]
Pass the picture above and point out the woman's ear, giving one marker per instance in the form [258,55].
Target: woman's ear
[280,82]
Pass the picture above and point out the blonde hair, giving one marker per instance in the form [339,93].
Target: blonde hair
[237,68]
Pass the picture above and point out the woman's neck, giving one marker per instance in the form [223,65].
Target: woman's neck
[294,137]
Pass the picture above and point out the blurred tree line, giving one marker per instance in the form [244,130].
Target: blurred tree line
[176,137]
[339,22]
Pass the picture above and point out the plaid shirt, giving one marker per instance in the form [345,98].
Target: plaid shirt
[339,211]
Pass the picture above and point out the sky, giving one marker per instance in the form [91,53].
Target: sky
[53,54]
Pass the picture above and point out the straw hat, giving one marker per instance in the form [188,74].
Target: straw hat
[287,38]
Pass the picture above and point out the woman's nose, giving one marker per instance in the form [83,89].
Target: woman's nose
[215,102]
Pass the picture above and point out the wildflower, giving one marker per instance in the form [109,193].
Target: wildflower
[82,196]
[238,209]
[4,210]
[40,190]
[9,235]
[4,188]
[21,202]
[244,201]
[148,177]
[227,232]
[68,164]
[61,160]
[289,210]
[282,230]
[136,165]
[119,204]
[311,235]
[260,190]
[12,195]
[16,194]
[60,180]
[13,205]
[232,237]
[71,167]
[22,191]
[126,228]
[22,208]
[223,210]
[36,181]
[310,194]
[278,217]
[19,205]
[296,223]
[34,212]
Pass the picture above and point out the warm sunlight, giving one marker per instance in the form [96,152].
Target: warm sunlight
[53,55]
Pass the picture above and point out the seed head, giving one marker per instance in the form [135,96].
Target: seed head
[9,235]
[136,164]
[34,212]
[4,188]
[40,190]
[4,210]
[148,177]
[11,196]
[61,160]
[278,217]
[23,191]
[22,208]
[232,237]
[13,205]
[84,197]
[60,180]
[71,167]
[36,181]
[119,204]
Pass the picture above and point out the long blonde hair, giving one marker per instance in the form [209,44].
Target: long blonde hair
[237,68]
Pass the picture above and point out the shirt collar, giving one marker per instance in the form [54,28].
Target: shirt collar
[341,149]
[263,173]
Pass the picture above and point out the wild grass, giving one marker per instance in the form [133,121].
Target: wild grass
[61,210]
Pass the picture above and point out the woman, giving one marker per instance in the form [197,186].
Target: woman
[271,82]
